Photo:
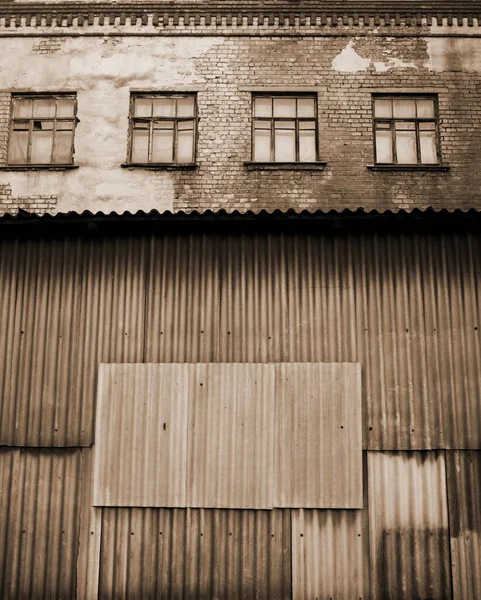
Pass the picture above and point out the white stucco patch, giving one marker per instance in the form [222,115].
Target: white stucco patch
[349,61]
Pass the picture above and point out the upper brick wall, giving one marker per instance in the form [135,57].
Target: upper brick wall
[344,68]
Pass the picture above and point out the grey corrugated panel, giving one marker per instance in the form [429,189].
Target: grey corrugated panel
[141,435]
[65,306]
[406,307]
[195,553]
[464,493]
[408,523]
[328,554]
[318,449]
[231,436]
[39,522]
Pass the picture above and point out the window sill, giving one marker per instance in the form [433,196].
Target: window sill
[285,166]
[159,166]
[38,167]
[408,167]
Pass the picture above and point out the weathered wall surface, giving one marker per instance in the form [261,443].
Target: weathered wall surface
[343,69]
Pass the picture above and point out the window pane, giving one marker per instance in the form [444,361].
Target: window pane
[44,108]
[285,145]
[185,107]
[383,109]
[142,107]
[262,124]
[185,146]
[164,107]
[425,109]
[65,108]
[427,141]
[63,147]
[163,146]
[285,124]
[185,125]
[384,146]
[140,145]
[404,108]
[405,125]
[406,147]
[427,126]
[263,107]
[305,107]
[262,145]
[307,145]
[307,125]
[18,147]
[42,145]
[284,107]
[22,108]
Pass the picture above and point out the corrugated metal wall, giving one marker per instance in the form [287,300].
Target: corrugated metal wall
[405,307]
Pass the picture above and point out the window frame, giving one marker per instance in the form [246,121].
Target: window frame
[296,119]
[42,96]
[416,120]
[151,120]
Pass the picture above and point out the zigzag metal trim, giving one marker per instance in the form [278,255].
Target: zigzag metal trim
[240,14]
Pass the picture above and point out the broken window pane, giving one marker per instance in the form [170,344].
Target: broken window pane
[384,146]
[18,146]
[404,108]
[284,107]
[143,107]
[383,109]
[305,107]
[263,107]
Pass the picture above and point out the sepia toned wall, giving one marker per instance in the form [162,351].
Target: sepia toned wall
[224,65]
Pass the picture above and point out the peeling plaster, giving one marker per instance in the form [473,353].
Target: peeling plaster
[349,61]
[102,72]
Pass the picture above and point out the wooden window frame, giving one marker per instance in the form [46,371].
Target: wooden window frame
[273,120]
[416,120]
[73,120]
[152,120]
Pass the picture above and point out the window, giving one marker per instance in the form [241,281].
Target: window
[284,128]
[405,130]
[42,129]
[163,129]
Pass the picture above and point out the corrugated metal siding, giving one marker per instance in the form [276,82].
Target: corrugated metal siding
[231,436]
[65,306]
[39,523]
[318,449]
[141,435]
[464,492]
[408,523]
[328,554]
[195,553]
[406,307]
